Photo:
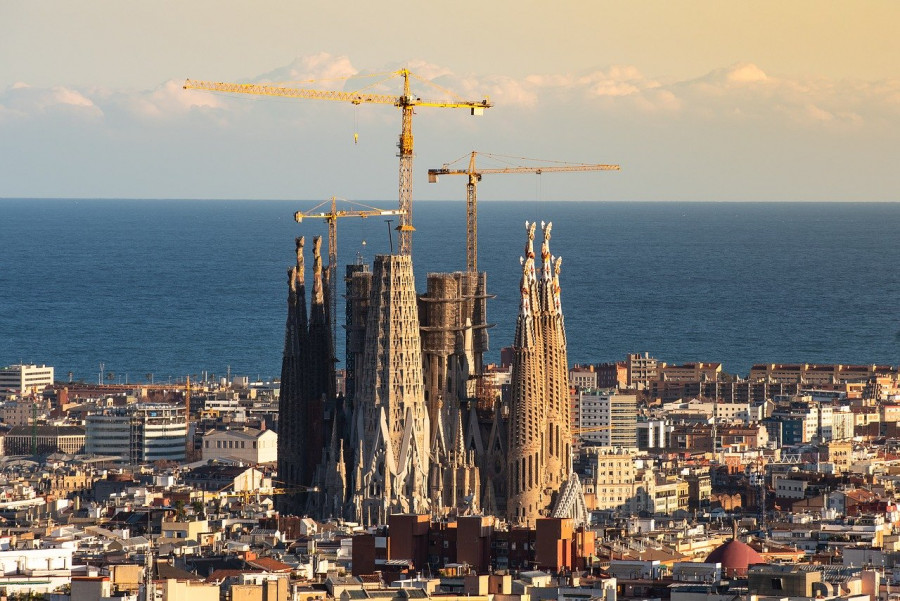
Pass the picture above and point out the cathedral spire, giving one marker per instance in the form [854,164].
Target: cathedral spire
[301,268]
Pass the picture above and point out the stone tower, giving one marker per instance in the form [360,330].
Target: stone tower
[539,435]
[320,380]
[558,438]
[391,463]
[525,475]
[454,339]
[292,423]
[307,407]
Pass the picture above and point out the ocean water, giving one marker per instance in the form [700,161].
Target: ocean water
[174,288]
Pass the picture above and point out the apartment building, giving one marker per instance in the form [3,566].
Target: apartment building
[24,379]
[138,433]
[248,445]
[607,418]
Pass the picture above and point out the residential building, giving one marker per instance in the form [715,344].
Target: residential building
[670,494]
[608,418]
[44,440]
[25,379]
[248,445]
[226,477]
[138,433]
[583,376]
[653,434]
[818,375]
[641,370]
[23,412]
[608,478]
[612,375]
[690,372]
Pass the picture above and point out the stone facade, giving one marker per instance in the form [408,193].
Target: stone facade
[539,432]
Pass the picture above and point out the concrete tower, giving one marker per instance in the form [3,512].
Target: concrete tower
[391,464]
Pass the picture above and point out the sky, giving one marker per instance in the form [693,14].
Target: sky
[696,100]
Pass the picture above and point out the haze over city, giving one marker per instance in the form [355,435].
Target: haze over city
[696,100]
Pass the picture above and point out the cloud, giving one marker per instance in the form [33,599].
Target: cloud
[315,67]
[503,91]
[746,73]
[25,100]
[736,93]
[639,118]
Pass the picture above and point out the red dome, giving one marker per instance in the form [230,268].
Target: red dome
[735,558]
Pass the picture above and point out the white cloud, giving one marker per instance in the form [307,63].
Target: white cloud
[640,121]
[315,67]
[28,100]
[505,91]
[746,73]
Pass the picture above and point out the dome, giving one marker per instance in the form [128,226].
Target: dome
[735,558]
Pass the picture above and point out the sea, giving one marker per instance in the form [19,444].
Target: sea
[163,289]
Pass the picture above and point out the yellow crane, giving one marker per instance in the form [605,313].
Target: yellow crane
[577,433]
[474,176]
[406,102]
[331,218]
[588,430]
[247,495]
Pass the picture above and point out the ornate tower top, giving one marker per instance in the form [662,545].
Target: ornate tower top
[527,271]
[318,288]
[529,243]
[546,261]
[556,301]
[301,268]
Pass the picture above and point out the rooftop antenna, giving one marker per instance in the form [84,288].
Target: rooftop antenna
[390,235]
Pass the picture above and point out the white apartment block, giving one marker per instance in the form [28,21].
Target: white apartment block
[25,379]
[842,422]
[607,418]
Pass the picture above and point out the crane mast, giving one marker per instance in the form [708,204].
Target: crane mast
[474,176]
[406,103]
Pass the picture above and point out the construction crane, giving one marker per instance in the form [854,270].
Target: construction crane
[331,218]
[474,176]
[246,495]
[577,432]
[406,102]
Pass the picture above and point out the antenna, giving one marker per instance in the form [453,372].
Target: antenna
[390,235]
